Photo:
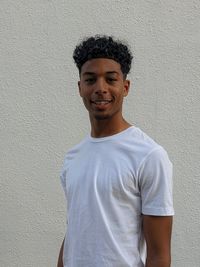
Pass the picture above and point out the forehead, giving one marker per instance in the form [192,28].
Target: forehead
[101,65]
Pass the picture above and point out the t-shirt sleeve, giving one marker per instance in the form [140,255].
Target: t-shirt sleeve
[63,180]
[155,181]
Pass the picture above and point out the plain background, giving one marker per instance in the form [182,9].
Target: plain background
[42,115]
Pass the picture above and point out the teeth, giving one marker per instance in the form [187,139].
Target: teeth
[102,101]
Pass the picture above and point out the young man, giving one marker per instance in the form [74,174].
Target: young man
[117,181]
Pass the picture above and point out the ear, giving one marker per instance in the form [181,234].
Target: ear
[126,87]
[79,87]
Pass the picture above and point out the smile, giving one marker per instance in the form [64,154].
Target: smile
[101,101]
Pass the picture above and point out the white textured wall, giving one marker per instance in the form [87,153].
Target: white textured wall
[42,114]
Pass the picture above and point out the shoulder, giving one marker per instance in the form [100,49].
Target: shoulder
[153,158]
[144,140]
[69,156]
[155,163]
[145,147]
[74,151]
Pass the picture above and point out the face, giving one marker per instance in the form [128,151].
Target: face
[102,88]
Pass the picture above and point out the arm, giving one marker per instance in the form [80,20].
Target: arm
[60,258]
[157,233]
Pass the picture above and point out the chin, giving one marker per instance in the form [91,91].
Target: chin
[101,117]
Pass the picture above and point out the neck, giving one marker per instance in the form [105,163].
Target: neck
[103,128]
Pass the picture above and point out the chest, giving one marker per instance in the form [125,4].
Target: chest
[103,172]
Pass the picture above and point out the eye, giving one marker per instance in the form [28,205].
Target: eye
[89,80]
[111,80]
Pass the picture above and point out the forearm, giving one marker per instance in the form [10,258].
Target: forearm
[158,262]
[60,257]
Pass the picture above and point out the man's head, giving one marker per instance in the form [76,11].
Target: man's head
[103,66]
[103,47]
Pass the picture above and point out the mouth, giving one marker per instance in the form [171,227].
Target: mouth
[101,102]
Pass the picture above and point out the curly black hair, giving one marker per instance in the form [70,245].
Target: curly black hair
[103,47]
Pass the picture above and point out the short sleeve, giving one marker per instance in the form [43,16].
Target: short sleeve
[155,182]
[63,181]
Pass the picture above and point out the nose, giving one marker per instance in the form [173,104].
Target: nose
[100,87]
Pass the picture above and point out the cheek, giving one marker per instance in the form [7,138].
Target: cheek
[85,91]
[86,101]
[120,94]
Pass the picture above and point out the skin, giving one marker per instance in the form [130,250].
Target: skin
[60,260]
[157,232]
[102,79]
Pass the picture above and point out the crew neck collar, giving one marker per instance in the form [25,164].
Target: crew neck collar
[111,137]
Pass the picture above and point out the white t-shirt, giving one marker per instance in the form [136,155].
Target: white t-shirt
[109,182]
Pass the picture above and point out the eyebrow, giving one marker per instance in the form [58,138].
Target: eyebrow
[93,73]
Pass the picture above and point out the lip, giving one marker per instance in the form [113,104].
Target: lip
[101,101]
[101,104]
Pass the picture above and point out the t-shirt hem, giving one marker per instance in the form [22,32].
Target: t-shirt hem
[158,211]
